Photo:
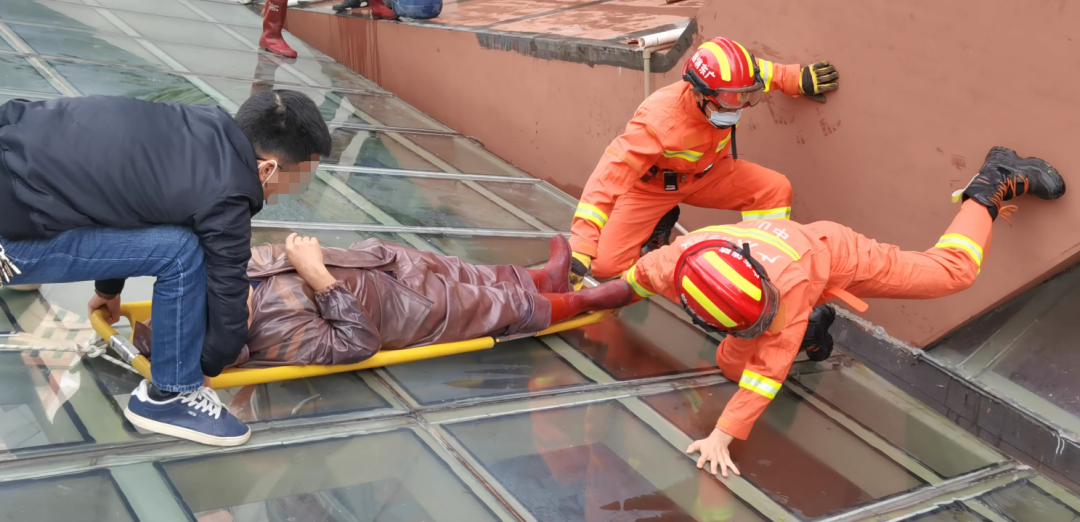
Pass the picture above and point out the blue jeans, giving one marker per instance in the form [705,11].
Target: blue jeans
[172,254]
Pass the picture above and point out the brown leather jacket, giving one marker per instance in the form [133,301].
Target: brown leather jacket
[388,296]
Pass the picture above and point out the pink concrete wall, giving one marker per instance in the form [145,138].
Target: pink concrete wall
[926,89]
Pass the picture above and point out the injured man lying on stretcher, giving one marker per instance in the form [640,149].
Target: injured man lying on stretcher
[315,305]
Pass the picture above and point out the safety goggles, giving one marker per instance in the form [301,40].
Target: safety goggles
[733,98]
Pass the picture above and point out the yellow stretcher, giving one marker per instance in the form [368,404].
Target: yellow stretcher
[231,377]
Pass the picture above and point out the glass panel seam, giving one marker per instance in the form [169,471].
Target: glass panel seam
[487,178]
[404,229]
[57,81]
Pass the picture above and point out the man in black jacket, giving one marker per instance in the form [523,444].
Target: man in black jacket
[104,189]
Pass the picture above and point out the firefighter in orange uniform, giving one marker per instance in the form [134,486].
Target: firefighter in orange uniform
[680,147]
[764,281]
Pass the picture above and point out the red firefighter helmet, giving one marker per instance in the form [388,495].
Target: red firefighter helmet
[726,73]
[724,289]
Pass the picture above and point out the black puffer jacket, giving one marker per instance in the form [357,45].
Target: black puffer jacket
[125,163]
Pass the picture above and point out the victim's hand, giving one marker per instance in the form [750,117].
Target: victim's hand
[304,253]
[714,448]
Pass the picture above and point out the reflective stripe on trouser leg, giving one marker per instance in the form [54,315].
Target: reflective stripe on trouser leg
[772,213]
[964,243]
[591,213]
[631,277]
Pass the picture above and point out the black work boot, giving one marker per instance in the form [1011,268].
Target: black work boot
[1005,176]
[817,341]
[661,235]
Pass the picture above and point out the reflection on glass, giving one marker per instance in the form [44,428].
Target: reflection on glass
[536,201]
[645,340]
[389,111]
[432,202]
[49,12]
[361,148]
[229,13]
[965,341]
[1023,502]
[908,426]
[132,83]
[109,48]
[184,31]
[303,50]
[796,454]
[34,407]
[326,395]
[595,463]
[86,496]
[520,366]
[464,155]
[171,9]
[328,238]
[949,513]
[481,250]
[320,202]
[17,73]
[386,477]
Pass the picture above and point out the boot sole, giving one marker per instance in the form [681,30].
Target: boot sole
[184,433]
[1057,188]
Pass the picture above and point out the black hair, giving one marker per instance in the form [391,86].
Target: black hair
[286,124]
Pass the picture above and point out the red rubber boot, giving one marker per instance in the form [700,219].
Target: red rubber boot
[554,278]
[273,23]
[607,296]
[381,11]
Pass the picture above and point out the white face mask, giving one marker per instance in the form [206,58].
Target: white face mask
[724,119]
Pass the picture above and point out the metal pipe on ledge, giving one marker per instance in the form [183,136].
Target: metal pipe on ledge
[652,43]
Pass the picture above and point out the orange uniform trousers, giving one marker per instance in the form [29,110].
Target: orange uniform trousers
[730,185]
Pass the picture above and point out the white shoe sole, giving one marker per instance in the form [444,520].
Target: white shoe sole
[184,433]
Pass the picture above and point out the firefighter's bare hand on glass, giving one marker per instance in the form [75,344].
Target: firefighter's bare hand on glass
[714,449]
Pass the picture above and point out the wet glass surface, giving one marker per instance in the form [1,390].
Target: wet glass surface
[86,496]
[33,404]
[950,513]
[364,148]
[909,426]
[520,366]
[432,202]
[800,457]
[312,397]
[595,463]
[1023,502]
[645,340]
[321,203]
[385,477]
[61,14]
[464,155]
[131,83]
[329,238]
[110,48]
[539,203]
[487,250]
[17,73]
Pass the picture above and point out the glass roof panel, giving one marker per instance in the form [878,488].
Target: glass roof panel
[320,202]
[374,149]
[645,340]
[908,425]
[388,477]
[132,83]
[521,366]
[163,8]
[1023,502]
[431,202]
[949,513]
[465,156]
[62,14]
[100,47]
[535,200]
[17,73]
[795,453]
[86,496]
[595,462]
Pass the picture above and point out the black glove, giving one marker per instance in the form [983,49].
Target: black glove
[817,341]
[818,79]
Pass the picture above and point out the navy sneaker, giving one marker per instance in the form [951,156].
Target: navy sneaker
[197,416]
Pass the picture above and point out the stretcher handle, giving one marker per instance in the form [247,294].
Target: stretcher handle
[120,344]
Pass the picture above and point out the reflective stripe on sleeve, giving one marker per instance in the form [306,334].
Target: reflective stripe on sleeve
[591,213]
[759,384]
[772,213]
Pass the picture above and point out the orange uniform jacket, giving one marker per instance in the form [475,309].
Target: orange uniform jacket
[667,131]
[802,261]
